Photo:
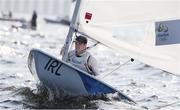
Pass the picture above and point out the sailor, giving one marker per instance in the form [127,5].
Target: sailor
[81,58]
[34,21]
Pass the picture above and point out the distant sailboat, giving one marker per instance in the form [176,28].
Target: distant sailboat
[9,17]
[58,21]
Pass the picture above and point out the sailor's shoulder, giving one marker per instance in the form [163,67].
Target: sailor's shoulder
[88,53]
[90,57]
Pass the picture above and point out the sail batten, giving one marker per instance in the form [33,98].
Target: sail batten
[129,27]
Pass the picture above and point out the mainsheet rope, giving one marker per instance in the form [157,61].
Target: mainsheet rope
[118,68]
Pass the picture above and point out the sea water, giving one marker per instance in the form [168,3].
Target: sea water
[148,86]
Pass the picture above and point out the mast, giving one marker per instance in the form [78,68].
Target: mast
[71,31]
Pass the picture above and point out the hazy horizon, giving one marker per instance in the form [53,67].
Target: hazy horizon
[43,7]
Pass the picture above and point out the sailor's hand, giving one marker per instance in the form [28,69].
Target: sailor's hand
[62,51]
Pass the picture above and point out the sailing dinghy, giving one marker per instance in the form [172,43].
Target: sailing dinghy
[60,76]
[67,79]
[101,20]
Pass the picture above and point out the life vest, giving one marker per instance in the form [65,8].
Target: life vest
[81,61]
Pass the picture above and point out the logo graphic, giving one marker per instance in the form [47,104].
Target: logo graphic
[162,32]
[167,32]
[162,28]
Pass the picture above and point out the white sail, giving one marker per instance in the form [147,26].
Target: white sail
[128,26]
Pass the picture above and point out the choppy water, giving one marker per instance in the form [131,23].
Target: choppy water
[148,86]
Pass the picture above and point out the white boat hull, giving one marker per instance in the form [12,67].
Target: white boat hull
[59,75]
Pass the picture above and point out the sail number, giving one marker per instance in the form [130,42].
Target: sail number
[53,66]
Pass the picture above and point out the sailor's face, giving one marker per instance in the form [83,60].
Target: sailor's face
[80,47]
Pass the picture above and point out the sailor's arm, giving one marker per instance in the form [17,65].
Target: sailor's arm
[93,65]
[70,54]
[62,51]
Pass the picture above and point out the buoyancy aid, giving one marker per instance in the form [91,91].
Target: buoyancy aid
[80,61]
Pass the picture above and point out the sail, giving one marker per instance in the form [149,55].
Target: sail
[129,27]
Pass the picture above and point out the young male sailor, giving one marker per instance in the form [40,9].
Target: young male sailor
[81,58]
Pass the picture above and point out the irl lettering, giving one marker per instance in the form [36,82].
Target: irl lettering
[53,66]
